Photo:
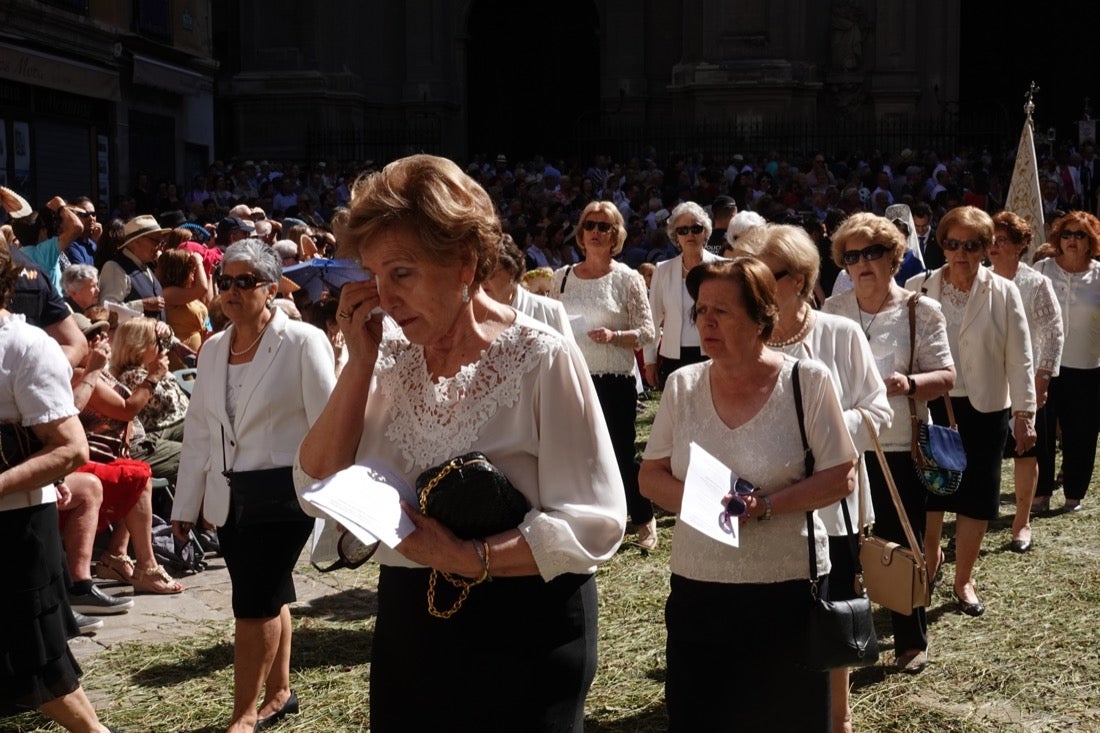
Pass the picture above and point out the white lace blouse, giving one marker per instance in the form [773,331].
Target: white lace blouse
[888,334]
[618,301]
[529,405]
[1044,317]
[767,451]
[1078,296]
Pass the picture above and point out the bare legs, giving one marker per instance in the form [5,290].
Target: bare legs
[261,659]
[842,711]
[969,533]
[73,712]
[81,520]
[1026,472]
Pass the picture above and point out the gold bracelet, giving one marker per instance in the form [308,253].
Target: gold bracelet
[480,547]
[1024,414]
[488,558]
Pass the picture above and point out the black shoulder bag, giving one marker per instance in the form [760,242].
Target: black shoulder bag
[838,633]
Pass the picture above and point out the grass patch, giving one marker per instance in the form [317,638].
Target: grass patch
[1029,665]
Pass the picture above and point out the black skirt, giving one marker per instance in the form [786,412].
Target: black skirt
[983,436]
[36,666]
[261,560]
[519,655]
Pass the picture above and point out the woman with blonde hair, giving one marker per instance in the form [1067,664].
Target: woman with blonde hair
[612,306]
[870,249]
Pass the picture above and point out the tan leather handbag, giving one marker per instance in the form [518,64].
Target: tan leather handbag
[895,577]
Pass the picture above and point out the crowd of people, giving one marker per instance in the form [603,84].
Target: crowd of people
[521,310]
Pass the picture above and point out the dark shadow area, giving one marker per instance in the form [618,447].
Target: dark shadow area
[313,647]
[354,604]
[526,107]
[650,720]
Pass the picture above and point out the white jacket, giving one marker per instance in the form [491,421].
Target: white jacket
[285,389]
[665,302]
[994,343]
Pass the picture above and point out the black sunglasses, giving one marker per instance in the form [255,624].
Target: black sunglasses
[84,214]
[603,226]
[867,254]
[693,229]
[243,282]
[1078,234]
[970,245]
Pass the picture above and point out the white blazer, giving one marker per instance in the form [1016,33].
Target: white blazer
[994,343]
[666,302]
[285,389]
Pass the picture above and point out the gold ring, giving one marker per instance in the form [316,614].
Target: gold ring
[344,315]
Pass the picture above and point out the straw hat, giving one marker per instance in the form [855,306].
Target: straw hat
[141,226]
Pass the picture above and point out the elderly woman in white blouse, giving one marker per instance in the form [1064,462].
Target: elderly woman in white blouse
[1011,240]
[1075,393]
[467,373]
[611,308]
[838,343]
[689,228]
[871,249]
[734,614]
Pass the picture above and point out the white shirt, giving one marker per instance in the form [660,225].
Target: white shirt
[889,343]
[617,301]
[766,451]
[839,344]
[1079,298]
[529,405]
[34,389]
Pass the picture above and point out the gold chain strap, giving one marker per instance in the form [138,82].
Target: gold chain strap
[457,582]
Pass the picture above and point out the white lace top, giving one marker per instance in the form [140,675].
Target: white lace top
[618,301]
[953,303]
[767,451]
[1044,317]
[530,406]
[1079,298]
[889,341]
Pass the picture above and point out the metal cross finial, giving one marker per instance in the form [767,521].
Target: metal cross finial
[1029,105]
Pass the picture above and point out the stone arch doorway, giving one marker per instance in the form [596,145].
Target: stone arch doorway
[533,72]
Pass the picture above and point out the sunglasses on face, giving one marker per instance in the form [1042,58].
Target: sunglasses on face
[603,226]
[243,282]
[84,214]
[693,229]
[1067,234]
[867,254]
[970,245]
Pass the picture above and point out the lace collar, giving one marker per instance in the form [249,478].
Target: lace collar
[432,421]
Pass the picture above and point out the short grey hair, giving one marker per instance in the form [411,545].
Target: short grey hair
[258,255]
[693,209]
[285,248]
[74,276]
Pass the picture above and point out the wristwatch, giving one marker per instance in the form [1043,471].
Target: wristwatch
[912,386]
[767,509]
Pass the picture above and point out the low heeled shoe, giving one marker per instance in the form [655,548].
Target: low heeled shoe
[290,707]
[970,609]
[1020,546]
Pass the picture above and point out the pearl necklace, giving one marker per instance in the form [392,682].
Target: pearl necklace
[254,342]
[803,329]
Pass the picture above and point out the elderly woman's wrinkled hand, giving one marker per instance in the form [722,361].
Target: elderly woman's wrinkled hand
[1024,430]
[360,320]
[433,545]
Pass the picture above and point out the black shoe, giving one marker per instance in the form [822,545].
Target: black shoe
[970,609]
[1020,546]
[87,624]
[290,707]
[97,603]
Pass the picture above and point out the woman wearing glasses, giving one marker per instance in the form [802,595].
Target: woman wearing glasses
[669,301]
[871,249]
[1011,240]
[1073,396]
[610,308]
[991,348]
[805,333]
[261,383]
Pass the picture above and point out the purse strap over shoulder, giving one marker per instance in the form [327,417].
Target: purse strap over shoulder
[912,359]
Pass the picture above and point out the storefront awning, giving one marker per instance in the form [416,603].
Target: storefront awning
[46,70]
[176,79]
